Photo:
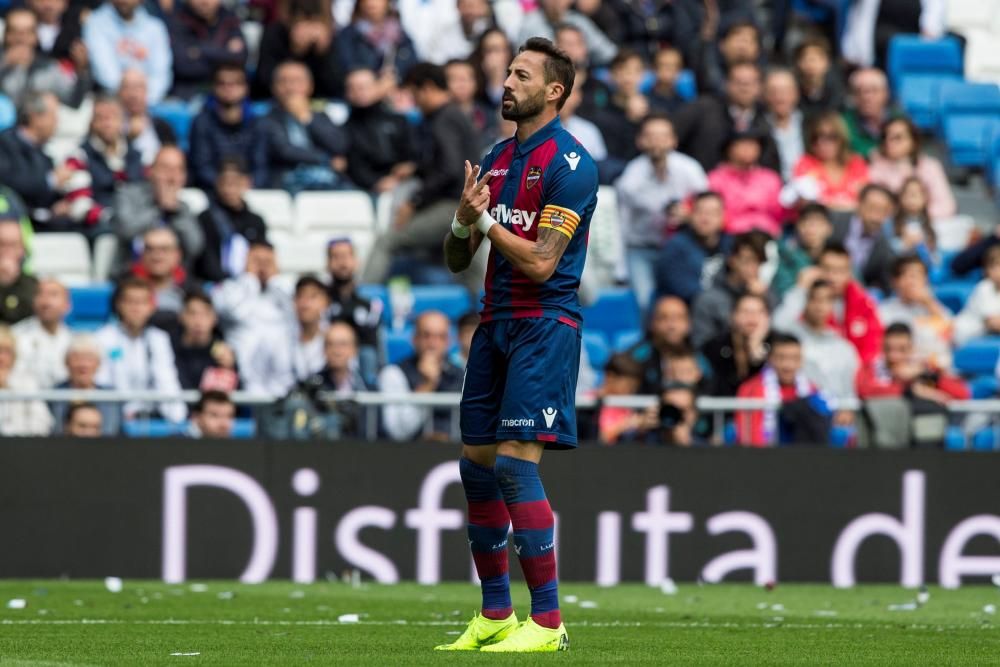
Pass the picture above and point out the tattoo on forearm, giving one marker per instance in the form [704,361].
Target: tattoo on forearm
[457,253]
[550,243]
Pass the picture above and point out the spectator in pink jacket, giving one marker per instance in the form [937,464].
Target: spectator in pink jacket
[749,191]
[898,157]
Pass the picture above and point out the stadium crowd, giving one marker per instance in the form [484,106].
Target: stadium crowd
[778,217]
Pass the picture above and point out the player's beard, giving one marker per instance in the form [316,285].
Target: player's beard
[523,110]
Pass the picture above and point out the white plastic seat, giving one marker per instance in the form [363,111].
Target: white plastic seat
[299,254]
[333,211]
[63,255]
[196,200]
[275,206]
[105,249]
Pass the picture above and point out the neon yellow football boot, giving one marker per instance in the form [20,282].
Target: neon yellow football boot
[532,638]
[481,632]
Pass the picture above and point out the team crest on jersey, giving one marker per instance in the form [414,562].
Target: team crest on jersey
[534,175]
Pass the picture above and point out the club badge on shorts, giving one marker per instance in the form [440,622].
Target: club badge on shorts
[534,175]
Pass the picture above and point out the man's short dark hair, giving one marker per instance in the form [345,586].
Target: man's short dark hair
[875,187]
[198,295]
[228,67]
[211,396]
[777,338]
[77,406]
[422,74]
[557,67]
[623,56]
[814,209]
[817,286]
[707,194]
[232,164]
[623,364]
[835,248]
[755,242]
[813,41]
[900,264]
[309,280]
[898,329]
[652,117]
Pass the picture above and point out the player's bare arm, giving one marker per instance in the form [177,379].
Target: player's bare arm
[536,259]
[459,251]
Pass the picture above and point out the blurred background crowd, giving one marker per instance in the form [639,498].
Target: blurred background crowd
[796,209]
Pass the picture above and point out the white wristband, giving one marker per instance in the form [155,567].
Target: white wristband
[459,230]
[484,223]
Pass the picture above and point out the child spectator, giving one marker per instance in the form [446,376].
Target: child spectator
[981,314]
[667,66]
[916,306]
[622,377]
[803,417]
[801,251]
[912,231]
[204,360]
[899,158]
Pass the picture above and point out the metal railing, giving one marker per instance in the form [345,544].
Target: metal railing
[718,407]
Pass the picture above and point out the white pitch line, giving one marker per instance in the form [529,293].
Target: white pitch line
[589,624]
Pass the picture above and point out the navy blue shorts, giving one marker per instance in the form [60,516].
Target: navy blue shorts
[520,383]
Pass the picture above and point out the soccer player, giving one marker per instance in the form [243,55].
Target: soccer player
[534,203]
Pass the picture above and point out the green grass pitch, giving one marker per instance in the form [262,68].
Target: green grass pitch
[223,623]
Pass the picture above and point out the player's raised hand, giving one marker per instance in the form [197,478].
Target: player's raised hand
[475,196]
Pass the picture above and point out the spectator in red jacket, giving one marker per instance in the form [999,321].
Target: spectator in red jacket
[898,373]
[855,315]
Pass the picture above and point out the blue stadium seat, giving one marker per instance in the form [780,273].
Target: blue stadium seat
[941,273]
[179,116]
[917,69]
[372,292]
[841,436]
[969,119]
[954,294]
[978,356]
[90,306]
[687,86]
[625,339]
[984,386]
[615,310]
[8,113]
[985,440]
[244,428]
[159,428]
[954,439]
[452,300]
[993,164]
[398,345]
[597,349]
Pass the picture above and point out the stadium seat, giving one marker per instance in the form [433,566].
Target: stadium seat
[841,437]
[686,86]
[159,428]
[452,300]
[969,118]
[625,339]
[105,249]
[398,345]
[984,386]
[275,206]
[380,293]
[179,116]
[954,439]
[90,306]
[984,440]
[917,68]
[299,254]
[334,212]
[8,113]
[195,199]
[65,255]
[614,310]
[978,356]
[597,349]
[954,294]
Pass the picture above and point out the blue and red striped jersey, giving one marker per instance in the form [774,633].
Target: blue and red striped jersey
[548,181]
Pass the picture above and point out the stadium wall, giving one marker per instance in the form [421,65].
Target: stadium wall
[258,510]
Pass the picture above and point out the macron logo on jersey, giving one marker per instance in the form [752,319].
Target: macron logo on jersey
[514,216]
